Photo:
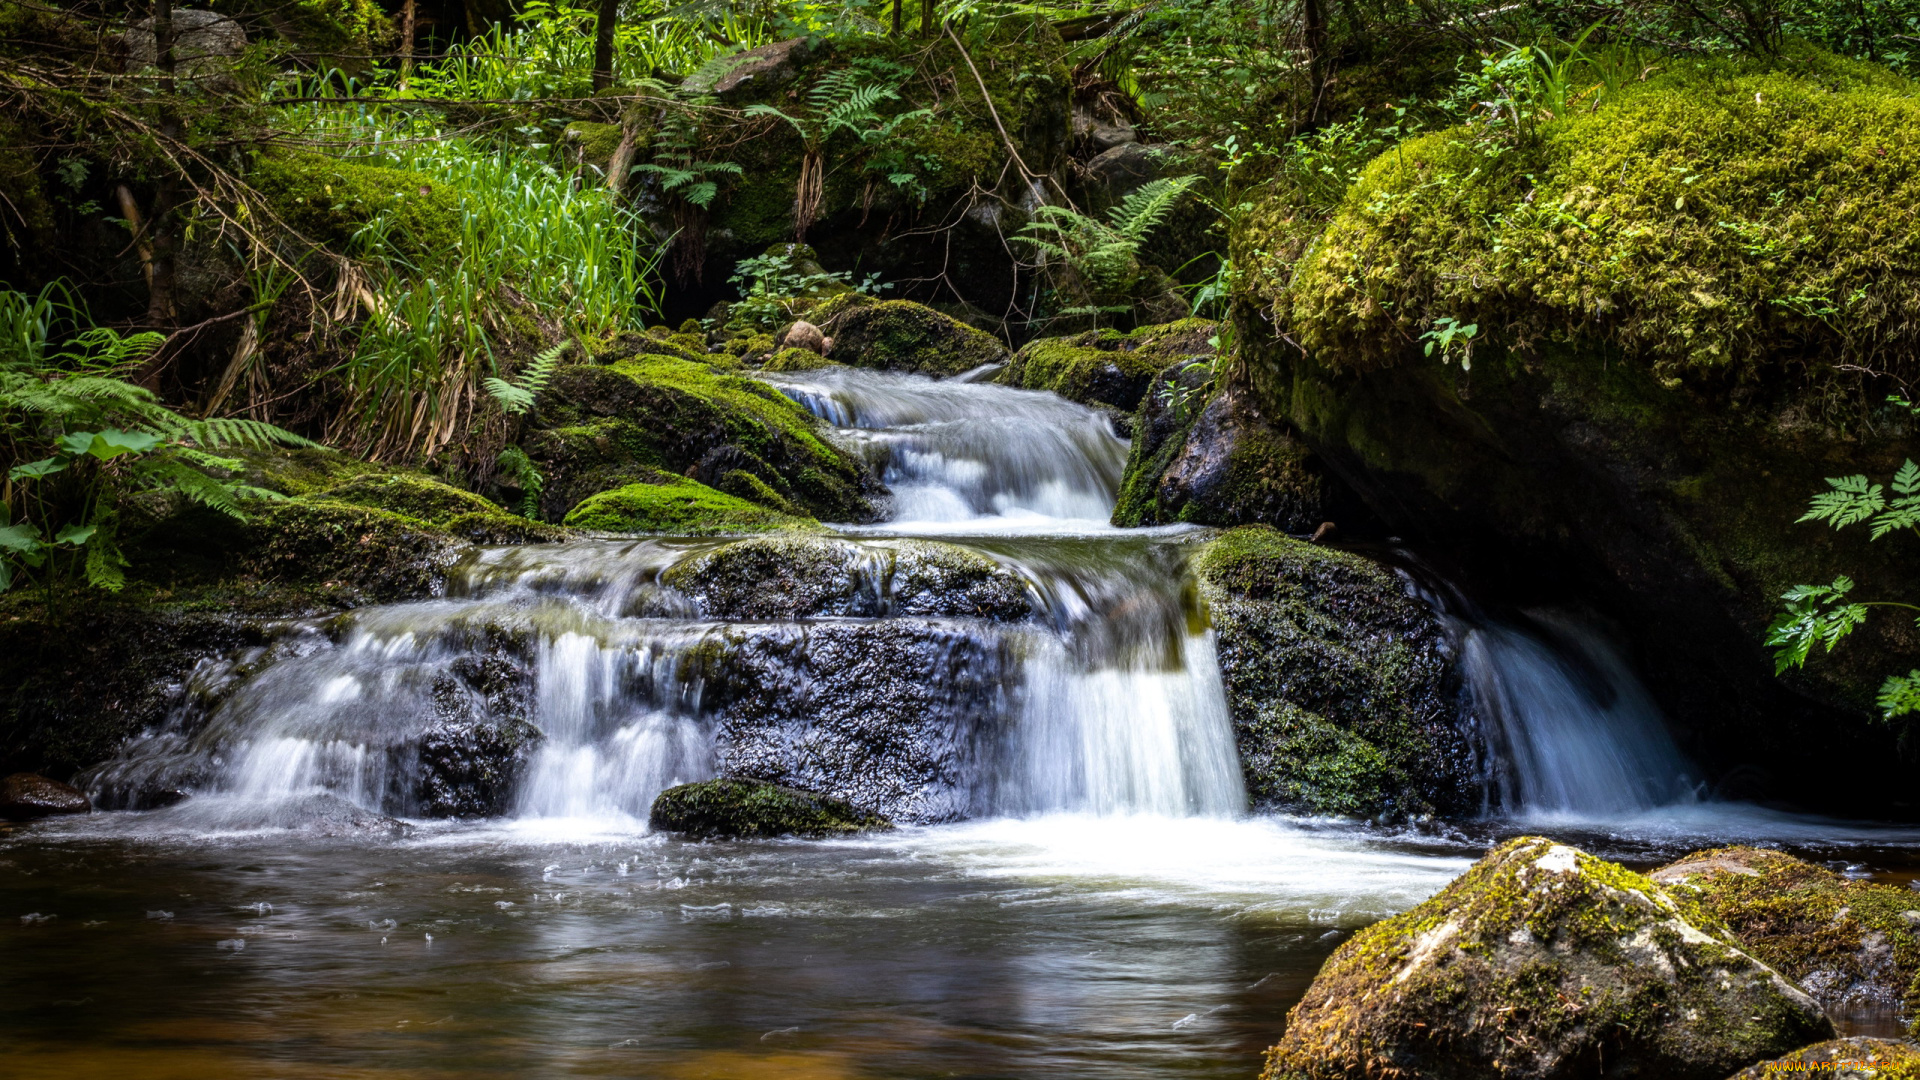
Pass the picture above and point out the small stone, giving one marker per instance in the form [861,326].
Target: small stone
[1842,1059]
[803,335]
[24,796]
[754,808]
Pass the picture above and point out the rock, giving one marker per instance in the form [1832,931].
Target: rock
[892,715]
[756,71]
[1106,367]
[900,335]
[469,760]
[1341,686]
[1543,962]
[1233,464]
[1853,945]
[665,503]
[1842,1059]
[726,809]
[804,577]
[802,335]
[204,45]
[24,796]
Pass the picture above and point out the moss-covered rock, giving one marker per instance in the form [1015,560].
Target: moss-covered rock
[328,200]
[1340,684]
[1543,961]
[1857,1058]
[797,360]
[1853,945]
[602,427]
[812,577]
[674,504]
[1216,458]
[900,335]
[1106,367]
[713,809]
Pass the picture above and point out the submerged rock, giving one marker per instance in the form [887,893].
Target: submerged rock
[1851,944]
[469,760]
[800,577]
[1543,962]
[753,808]
[1341,685]
[24,796]
[1842,1059]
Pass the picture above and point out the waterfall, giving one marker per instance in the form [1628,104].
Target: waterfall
[1571,732]
[571,681]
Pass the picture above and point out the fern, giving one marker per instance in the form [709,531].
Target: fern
[1106,253]
[1146,209]
[517,397]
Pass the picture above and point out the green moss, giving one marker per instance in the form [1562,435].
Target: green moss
[754,808]
[1722,214]
[328,200]
[1849,942]
[675,504]
[593,143]
[1336,681]
[900,335]
[797,360]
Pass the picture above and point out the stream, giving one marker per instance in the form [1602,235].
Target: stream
[1074,891]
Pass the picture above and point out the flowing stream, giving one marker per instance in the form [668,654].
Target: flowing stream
[1075,890]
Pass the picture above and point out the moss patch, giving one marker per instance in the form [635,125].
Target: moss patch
[1541,961]
[1722,214]
[328,200]
[1338,682]
[675,504]
[753,808]
[1852,944]
[900,335]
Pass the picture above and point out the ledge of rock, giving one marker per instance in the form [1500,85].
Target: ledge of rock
[1544,962]
[798,577]
[1842,1059]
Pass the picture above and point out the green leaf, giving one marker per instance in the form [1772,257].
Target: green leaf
[1899,695]
[22,538]
[1907,480]
[75,535]
[109,444]
[34,470]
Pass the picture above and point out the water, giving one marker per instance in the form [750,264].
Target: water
[1075,891]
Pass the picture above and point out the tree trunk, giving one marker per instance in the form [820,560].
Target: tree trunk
[603,44]
[161,308]
[1313,27]
[406,44]
[896,16]
[926,18]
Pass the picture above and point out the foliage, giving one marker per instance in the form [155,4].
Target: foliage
[516,397]
[847,101]
[1823,615]
[1103,257]
[105,440]
[770,285]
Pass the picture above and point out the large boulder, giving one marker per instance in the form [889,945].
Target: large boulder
[1216,458]
[803,577]
[1109,368]
[1543,962]
[727,809]
[1856,1058]
[1854,945]
[894,716]
[25,796]
[900,335]
[664,503]
[1341,685]
[1654,388]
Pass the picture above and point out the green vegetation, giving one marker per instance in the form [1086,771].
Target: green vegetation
[674,504]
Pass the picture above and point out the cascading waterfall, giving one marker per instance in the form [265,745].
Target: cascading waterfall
[569,682]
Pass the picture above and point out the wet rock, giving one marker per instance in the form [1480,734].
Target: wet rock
[1543,962]
[900,335]
[1108,368]
[814,577]
[1215,458]
[803,335]
[1842,1059]
[1854,945]
[664,503]
[727,808]
[470,759]
[1341,685]
[893,716]
[24,796]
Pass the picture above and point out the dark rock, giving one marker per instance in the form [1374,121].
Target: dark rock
[1111,369]
[24,796]
[1854,945]
[800,577]
[471,757]
[1543,962]
[715,809]
[758,70]
[1341,686]
[894,716]
[1216,458]
[1842,1059]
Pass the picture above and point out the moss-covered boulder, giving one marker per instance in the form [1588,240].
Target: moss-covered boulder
[727,809]
[1216,458]
[1340,685]
[1857,1058]
[900,335]
[328,200]
[1106,367]
[1656,387]
[1543,962]
[665,503]
[600,427]
[801,577]
[1854,945]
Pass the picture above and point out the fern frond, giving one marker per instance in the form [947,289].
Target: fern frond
[1147,206]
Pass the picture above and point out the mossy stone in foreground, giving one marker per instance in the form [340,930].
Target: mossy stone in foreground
[900,335]
[1338,682]
[749,808]
[1853,945]
[675,504]
[1542,962]
[1842,1059]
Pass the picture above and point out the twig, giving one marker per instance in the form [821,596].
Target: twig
[987,96]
